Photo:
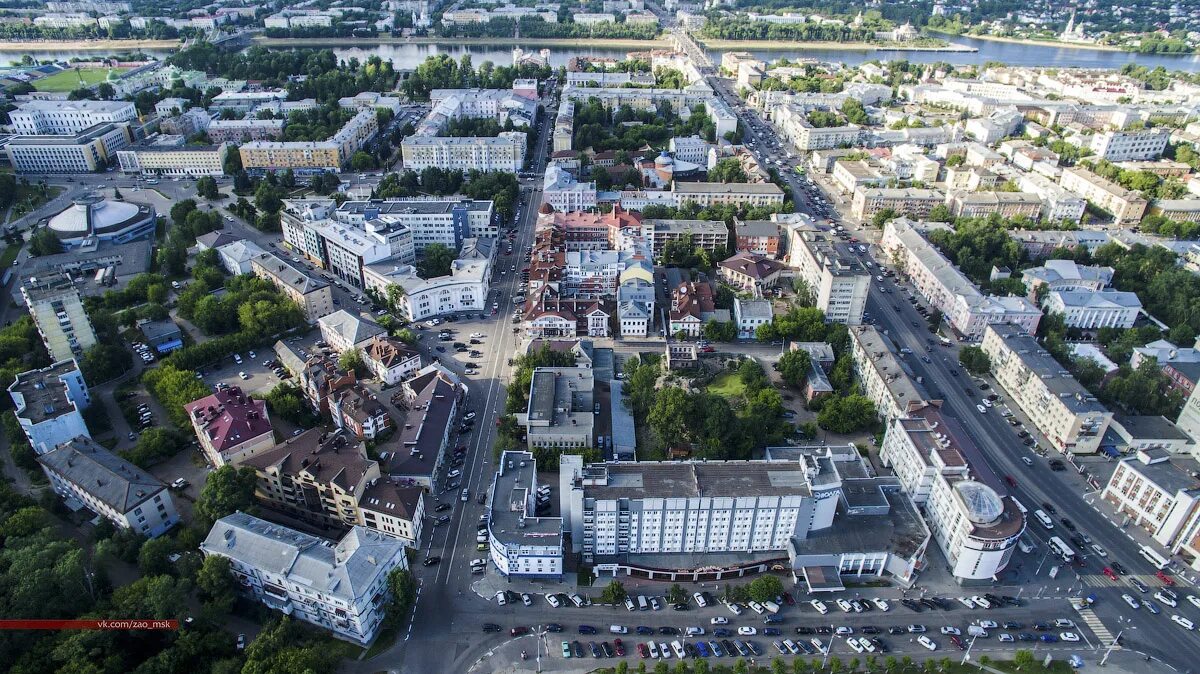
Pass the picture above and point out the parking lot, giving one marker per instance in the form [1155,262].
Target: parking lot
[257,378]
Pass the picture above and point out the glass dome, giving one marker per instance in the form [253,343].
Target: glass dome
[983,503]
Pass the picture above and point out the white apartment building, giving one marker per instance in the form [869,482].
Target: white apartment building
[561,190]
[1062,409]
[941,283]
[692,149]
[521,544]
[839,283]
[1157,493]
[464,289]
[172,156]
[976,527]
[49,404]
[65,118]
[707,194]
[57,310]
[1127,206]
[711,235]
[1094,309]
[341,587]
[1143,144]
[748,315]
[1058,204]
[83,471]
[504,152]
[793,122]
[885,379]
[444,220]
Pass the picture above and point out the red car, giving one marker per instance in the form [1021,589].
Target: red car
[1165,578]
[1011,482]
[787,599]
[708,349]
[518,631]
[619,647]
[1109,572]
[643,651]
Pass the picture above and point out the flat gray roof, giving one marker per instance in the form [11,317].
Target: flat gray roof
[43,393]
[511,522]
[715,479]
[1051,373]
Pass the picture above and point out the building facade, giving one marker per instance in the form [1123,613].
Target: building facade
[57,310]
[49,404]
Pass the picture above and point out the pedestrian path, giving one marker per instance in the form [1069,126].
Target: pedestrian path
[1089,618]
[1123,582]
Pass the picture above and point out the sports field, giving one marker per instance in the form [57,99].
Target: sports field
[68,80]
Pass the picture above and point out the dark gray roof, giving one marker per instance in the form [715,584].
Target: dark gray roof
[106,476]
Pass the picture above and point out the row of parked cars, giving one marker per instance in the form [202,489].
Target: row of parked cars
[143,352]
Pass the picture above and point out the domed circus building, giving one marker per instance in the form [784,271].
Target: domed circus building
[103,220]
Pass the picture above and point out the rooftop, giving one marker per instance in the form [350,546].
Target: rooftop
[755,227]
[229,418]
[110,479]
[512,501]
[353,330]
[712,479]
[1049,371]
[727,188]
[44,395]
[288,274]
[413,451]
[328,458]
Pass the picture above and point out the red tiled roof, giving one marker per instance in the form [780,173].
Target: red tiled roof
[229,417]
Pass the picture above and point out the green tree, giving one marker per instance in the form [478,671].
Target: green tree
[216,584]
[846,414]
[44,242]
[974,360]
[403,587]
[351,359]
[103,362]
[676,594]
[720,331]
[941,213]
[889,663]
[206,187]
[1023,658]
[226,491]
[435,261]
[883,217]
[153,556]
[765,588]
[794,366]
[727,171]
[613,593]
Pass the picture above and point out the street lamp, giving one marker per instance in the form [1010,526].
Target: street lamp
[967,655]
[1107,651]
[829,649]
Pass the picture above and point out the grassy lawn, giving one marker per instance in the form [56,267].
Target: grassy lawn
[68,80]
[7,257]
[727,385]
[29,198]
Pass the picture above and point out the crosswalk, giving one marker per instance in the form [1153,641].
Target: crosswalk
[1101,580]
[1089,618]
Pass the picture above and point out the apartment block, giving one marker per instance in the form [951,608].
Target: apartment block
[83,471]
[57,310]
[245,130]
[760,237]
[942,470]
[1139,145]
[313,295]
[946,288]
[520,543]
[341,587]
[1061,408]
[1005,204]
[910,202]
[793,121]
[1094,309]
[231,426]
[1058,204]
[444,220]
[504,152]
[839,283]
[885,378]
[309,157]
[711,235]
[49,405]
[1126,206]
[172,156]
[707,194]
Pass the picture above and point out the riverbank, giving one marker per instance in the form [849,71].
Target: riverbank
[111,46]
[1036,43]
[787,45]
[524,42]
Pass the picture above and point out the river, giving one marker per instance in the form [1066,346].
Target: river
[408,56]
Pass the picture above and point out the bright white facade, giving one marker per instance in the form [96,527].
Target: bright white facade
[1094,309]
[1144,144]
[49,404]
[61,118]
[839,283]
[465,289]
[520,543]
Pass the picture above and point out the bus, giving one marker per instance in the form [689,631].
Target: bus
[1044,519]
[1059,547]
[1152,556]
[1020,506]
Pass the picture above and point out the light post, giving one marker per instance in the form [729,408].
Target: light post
[967,655]
[1107,651]
[829,649]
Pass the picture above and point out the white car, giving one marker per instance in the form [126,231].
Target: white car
[927,642]
[243,375]
[966,601]
[951,630]
[881,604]
[694,631]
[700,601]
[502,598]
[845,606]
[844,630]
[988,624]
[1099,550]
[1133,603]
[719,620]
[756,607]
[747,631]
[1183,622]
[653,649]
[1069,636]
[980,601]
[733,608]
[553,600]
[526,599]
[981,408]
[1194,599]
[822,608]
[1166,599]
[853,643]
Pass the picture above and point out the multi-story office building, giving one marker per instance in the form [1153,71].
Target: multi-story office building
[310,157]
[520,543]
[67,118]
[885,379]
[245,101]
[707,194]
[86,151]
[1126,206]
[129,497]
[910,202]
[711,235]
[1063,410]
[1005,204]
[464,289]
[976,527]
[172,156]
[313,295]
[946,288]
[1142,144]
[504,152]
[57,310]
[49,404]
[838,283]
[1094,309]
[793,121]
[1157,493]
[341,587]
[444,220]
[231,426]
[697,520]
[245,130]
[1066,275]
[561,190]
[561,411]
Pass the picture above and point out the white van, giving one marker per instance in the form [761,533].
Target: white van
[771,607]
[576,600]
[643,605]
[977,631]
[1043,519]
[618,629]
[1151,555]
